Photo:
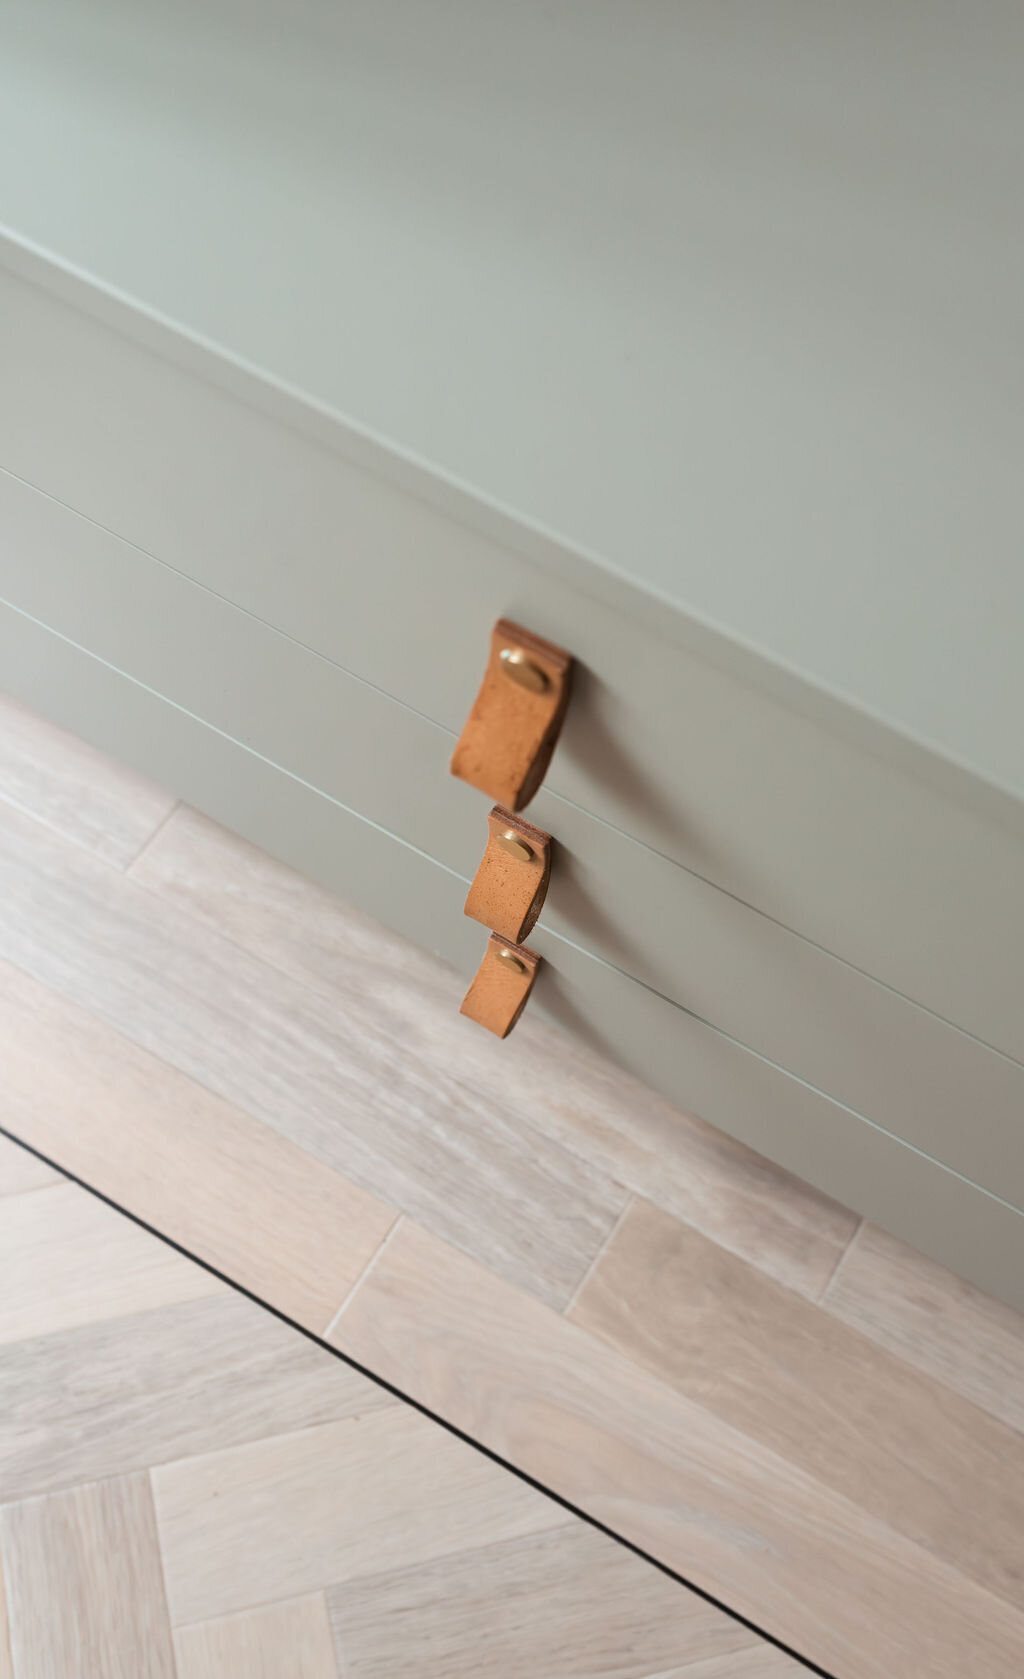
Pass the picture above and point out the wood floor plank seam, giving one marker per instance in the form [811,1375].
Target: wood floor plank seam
[298,1433]
[161,1559]
[598,1256]
[269,1634]
[896,1297]
[52,828]
[840,1261]
[83,844]
[276,1600]
[29,1189]
[365,1272]
[149,839]
[73,789]
[435,1417]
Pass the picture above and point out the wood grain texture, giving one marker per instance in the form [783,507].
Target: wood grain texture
[102,1267]
[809,1565]
[231,1190]
[74,789]
[292,1514]
[21,1171]
[603,1117]
[933,1319]
[321,1067]
[85,1584]
[261,1405]
[284,1007]
[762,1663]
[290,1640]
[568,1605]
[160,1385]
[822,1396]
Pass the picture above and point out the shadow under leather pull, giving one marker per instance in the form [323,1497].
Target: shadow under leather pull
[498,990]
[508,738]
[508,890]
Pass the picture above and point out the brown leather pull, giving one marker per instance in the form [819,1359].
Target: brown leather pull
[508,738]
[509,888]
[499,988]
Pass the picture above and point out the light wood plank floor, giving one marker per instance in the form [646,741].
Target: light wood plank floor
[191,1489]
[802,1416]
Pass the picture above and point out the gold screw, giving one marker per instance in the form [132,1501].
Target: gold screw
[512,959]
[515,845]
[523,670]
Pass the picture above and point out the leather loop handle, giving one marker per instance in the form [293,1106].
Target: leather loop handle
[498,990]
[508,890]
[508,738]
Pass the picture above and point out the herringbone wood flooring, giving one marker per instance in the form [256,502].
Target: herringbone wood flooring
[799,1415]
[190,1487]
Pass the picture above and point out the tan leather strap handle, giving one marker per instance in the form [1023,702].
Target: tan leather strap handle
[508,890]
[499,988]
[508,738]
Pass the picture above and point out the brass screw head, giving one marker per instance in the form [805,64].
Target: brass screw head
[523,670]
[515,845]
[510,957]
